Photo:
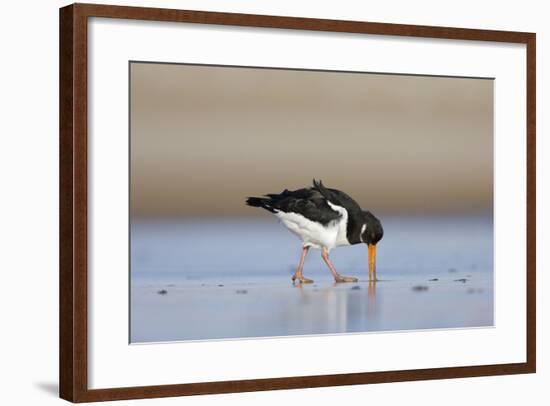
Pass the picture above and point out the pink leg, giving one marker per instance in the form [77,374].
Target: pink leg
[337,277]
[298,274]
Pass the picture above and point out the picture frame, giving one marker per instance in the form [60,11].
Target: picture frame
[74,205]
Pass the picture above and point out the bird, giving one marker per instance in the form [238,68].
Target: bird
[324,219]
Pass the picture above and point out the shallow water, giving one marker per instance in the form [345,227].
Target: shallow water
[196,280]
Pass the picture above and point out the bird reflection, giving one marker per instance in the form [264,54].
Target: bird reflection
[371,299]
[334,307]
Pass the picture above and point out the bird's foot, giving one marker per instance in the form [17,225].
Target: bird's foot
[343,279]
[301,279]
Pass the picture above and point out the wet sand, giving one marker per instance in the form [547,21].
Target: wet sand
[183,287]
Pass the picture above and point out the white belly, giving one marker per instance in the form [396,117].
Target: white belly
[314,234]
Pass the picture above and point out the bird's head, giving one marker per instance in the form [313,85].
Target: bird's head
[371,235]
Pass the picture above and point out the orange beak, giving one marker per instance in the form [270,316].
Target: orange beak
[372,262]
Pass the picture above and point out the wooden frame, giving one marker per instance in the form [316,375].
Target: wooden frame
[73,202]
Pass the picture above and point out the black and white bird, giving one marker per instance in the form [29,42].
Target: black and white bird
[324,218]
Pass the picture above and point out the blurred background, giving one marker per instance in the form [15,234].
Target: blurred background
[204,138]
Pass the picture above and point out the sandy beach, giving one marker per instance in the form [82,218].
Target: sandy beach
[228,279]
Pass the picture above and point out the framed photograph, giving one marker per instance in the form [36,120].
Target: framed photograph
[253,202]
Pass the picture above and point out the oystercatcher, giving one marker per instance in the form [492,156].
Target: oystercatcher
[324,218]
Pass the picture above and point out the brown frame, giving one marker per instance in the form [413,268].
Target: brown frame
[73,362]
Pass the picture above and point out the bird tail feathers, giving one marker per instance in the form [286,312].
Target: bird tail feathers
[262,202]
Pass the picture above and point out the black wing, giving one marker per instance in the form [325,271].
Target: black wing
[356,219]
[337,197]
[309,202]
